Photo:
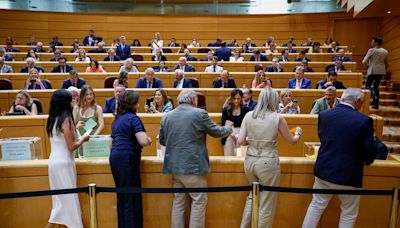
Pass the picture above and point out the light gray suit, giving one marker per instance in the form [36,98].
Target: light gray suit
[6,69]
[183,132]
[320,105]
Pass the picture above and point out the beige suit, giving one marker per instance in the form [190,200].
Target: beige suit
[375,60]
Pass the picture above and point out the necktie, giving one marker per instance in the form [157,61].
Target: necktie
[225,85]
[111,59]
[214,70]
[149,85]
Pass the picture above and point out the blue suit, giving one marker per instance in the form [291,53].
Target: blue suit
[110,105]
[218,83]
[344,59]
[123,53]
[8,57]
[57,69]
[252,104]
[86,40]
[347,143]
[262,58]
[67,83]
[223,53]
[142,83]
[305,84]
[187,83]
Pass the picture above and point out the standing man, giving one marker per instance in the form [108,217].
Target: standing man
[123,49]
[347,143]
[376,61]
[183,132]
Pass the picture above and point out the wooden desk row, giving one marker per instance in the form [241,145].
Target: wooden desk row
[28,126]
[25,48]
[319,57]
[198,65]
[223,209]
[279,80]
[215,98]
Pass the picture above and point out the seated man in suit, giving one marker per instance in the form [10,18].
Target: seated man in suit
[223,53]
[39,48]
[5,56]
[257,57]
[327,102]
[173,43]
[10,48]
[214,66]
[304,64]
[290,42]
[302,56]
[90,39]
[189,57]
[123,49]
[183,66]
[56,42]
[111,103]
[285,56]
[299,82]
[30,64]
[215,44]
[112,56]
[249,44]
[248,101]
[56,56]
[334,47]
[210,56]
[149,81]
[4,68]
[62,67]
[275,66]
[100,48]
[337,67]
[224,81]
[290,48]
[180,80]
[73,80]
[330,81]
[342,56]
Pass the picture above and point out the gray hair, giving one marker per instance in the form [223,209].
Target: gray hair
[120,86]
[73,89]
[149,70]
[353,95]
[73,72]
[186,95]
[332,89]
[128,60]
[30,59]
[268,101]
[180,72]
[182,58]
[300,68]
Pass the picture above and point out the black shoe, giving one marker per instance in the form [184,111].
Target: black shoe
[375,107]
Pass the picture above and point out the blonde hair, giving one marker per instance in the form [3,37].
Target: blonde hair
[268,101]
[27,96]
[285,92]
[257,77]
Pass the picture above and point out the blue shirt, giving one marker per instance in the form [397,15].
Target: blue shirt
[123,130]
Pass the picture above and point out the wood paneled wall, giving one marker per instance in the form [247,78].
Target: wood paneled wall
[390,32]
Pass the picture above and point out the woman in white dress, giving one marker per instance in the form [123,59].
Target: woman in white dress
[66,209]
[156,43]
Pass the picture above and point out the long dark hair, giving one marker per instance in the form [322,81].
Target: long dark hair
[60,110]
[127,102]
[234,92]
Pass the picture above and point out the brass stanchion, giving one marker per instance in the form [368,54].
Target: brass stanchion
[395,207]
[93,205]
[256,199]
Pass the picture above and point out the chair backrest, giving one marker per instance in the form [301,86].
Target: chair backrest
[5,84]
[258,67]
[38,106]
[47,82]
[195,82]
[109,82]
[203,50]
[167,50]
[201,101]
[136,57]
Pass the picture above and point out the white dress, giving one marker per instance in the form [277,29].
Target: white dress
[66,209]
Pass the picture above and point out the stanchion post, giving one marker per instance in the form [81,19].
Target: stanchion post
[256,201]
[395,207]
[93,205]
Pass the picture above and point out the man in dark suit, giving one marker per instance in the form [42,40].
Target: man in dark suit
[275,66]
[73,80]
[183,66]
[304,64]
[39,48]
[180,80]
[149,81]
[257,57]
[224,81]
[188,57]
[249,44]
[248,101]
[10,48]
[30,63]
[285,56]
[100,48]
[62,67]
[111,103]
[55,42]
[337,67]
[342,56]
[290,48]
[334,47]
[330,81]
[123,49]
[89,40]
[111,56]
[56,56]
[299,82]
[210,57]
[215,44]
[5,56]
[223,53]
[347,143]
[302,56]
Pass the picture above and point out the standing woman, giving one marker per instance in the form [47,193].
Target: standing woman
[259,131]
[129,137]
[62,171]
[156,42]
[234,111]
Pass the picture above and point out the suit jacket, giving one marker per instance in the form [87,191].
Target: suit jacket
[299,59]
[344,59]
[163,58]
[272,69]
[97,51]
[110,105]
[223,53]
[6,69]
[305,84]
[183,133]
[116,58]
[12,50]
[186,68]
[40,51]
[191,58]
[8,57]
[57,69]
[333,68]
[281,59]
[347,143]
[26,69]
[376,61]
[123,53]
[331,50]
[252,105]
[56,43]
[187,83]
[142,83]
[86,40]
[337,85]
[218,83]
[67,83]
[307,69]
[213,44]
[320,105]
[262,58]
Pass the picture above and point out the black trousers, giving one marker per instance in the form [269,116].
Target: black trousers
[376,80]
[125,168]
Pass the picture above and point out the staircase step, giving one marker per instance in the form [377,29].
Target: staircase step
[391,121]
[385,88]
[388,95]
[393,147]
[388,102]
[386,111]
[391,134]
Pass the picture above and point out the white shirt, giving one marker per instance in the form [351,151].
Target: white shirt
[298,84]
[180,84]
[218,69]
[233,59]
[86,59]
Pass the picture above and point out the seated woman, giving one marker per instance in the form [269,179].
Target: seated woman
[161,67]
[136,43]
[158,56]
[160,103]
[82,56]
[271,49]
[31,53]
[237,57]
[182,49]
[129,66]
[261,80]
[52,48]
[75,48]
[122,79]
[23,105]
[233,112]
[287,105]
[194,43]
[316,48]
[94,67]
[34,82]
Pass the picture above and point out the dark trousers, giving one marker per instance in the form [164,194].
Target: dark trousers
[125,168]
[376,79]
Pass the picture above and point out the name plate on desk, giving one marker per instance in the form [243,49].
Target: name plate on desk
[16,151]
[97,146]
